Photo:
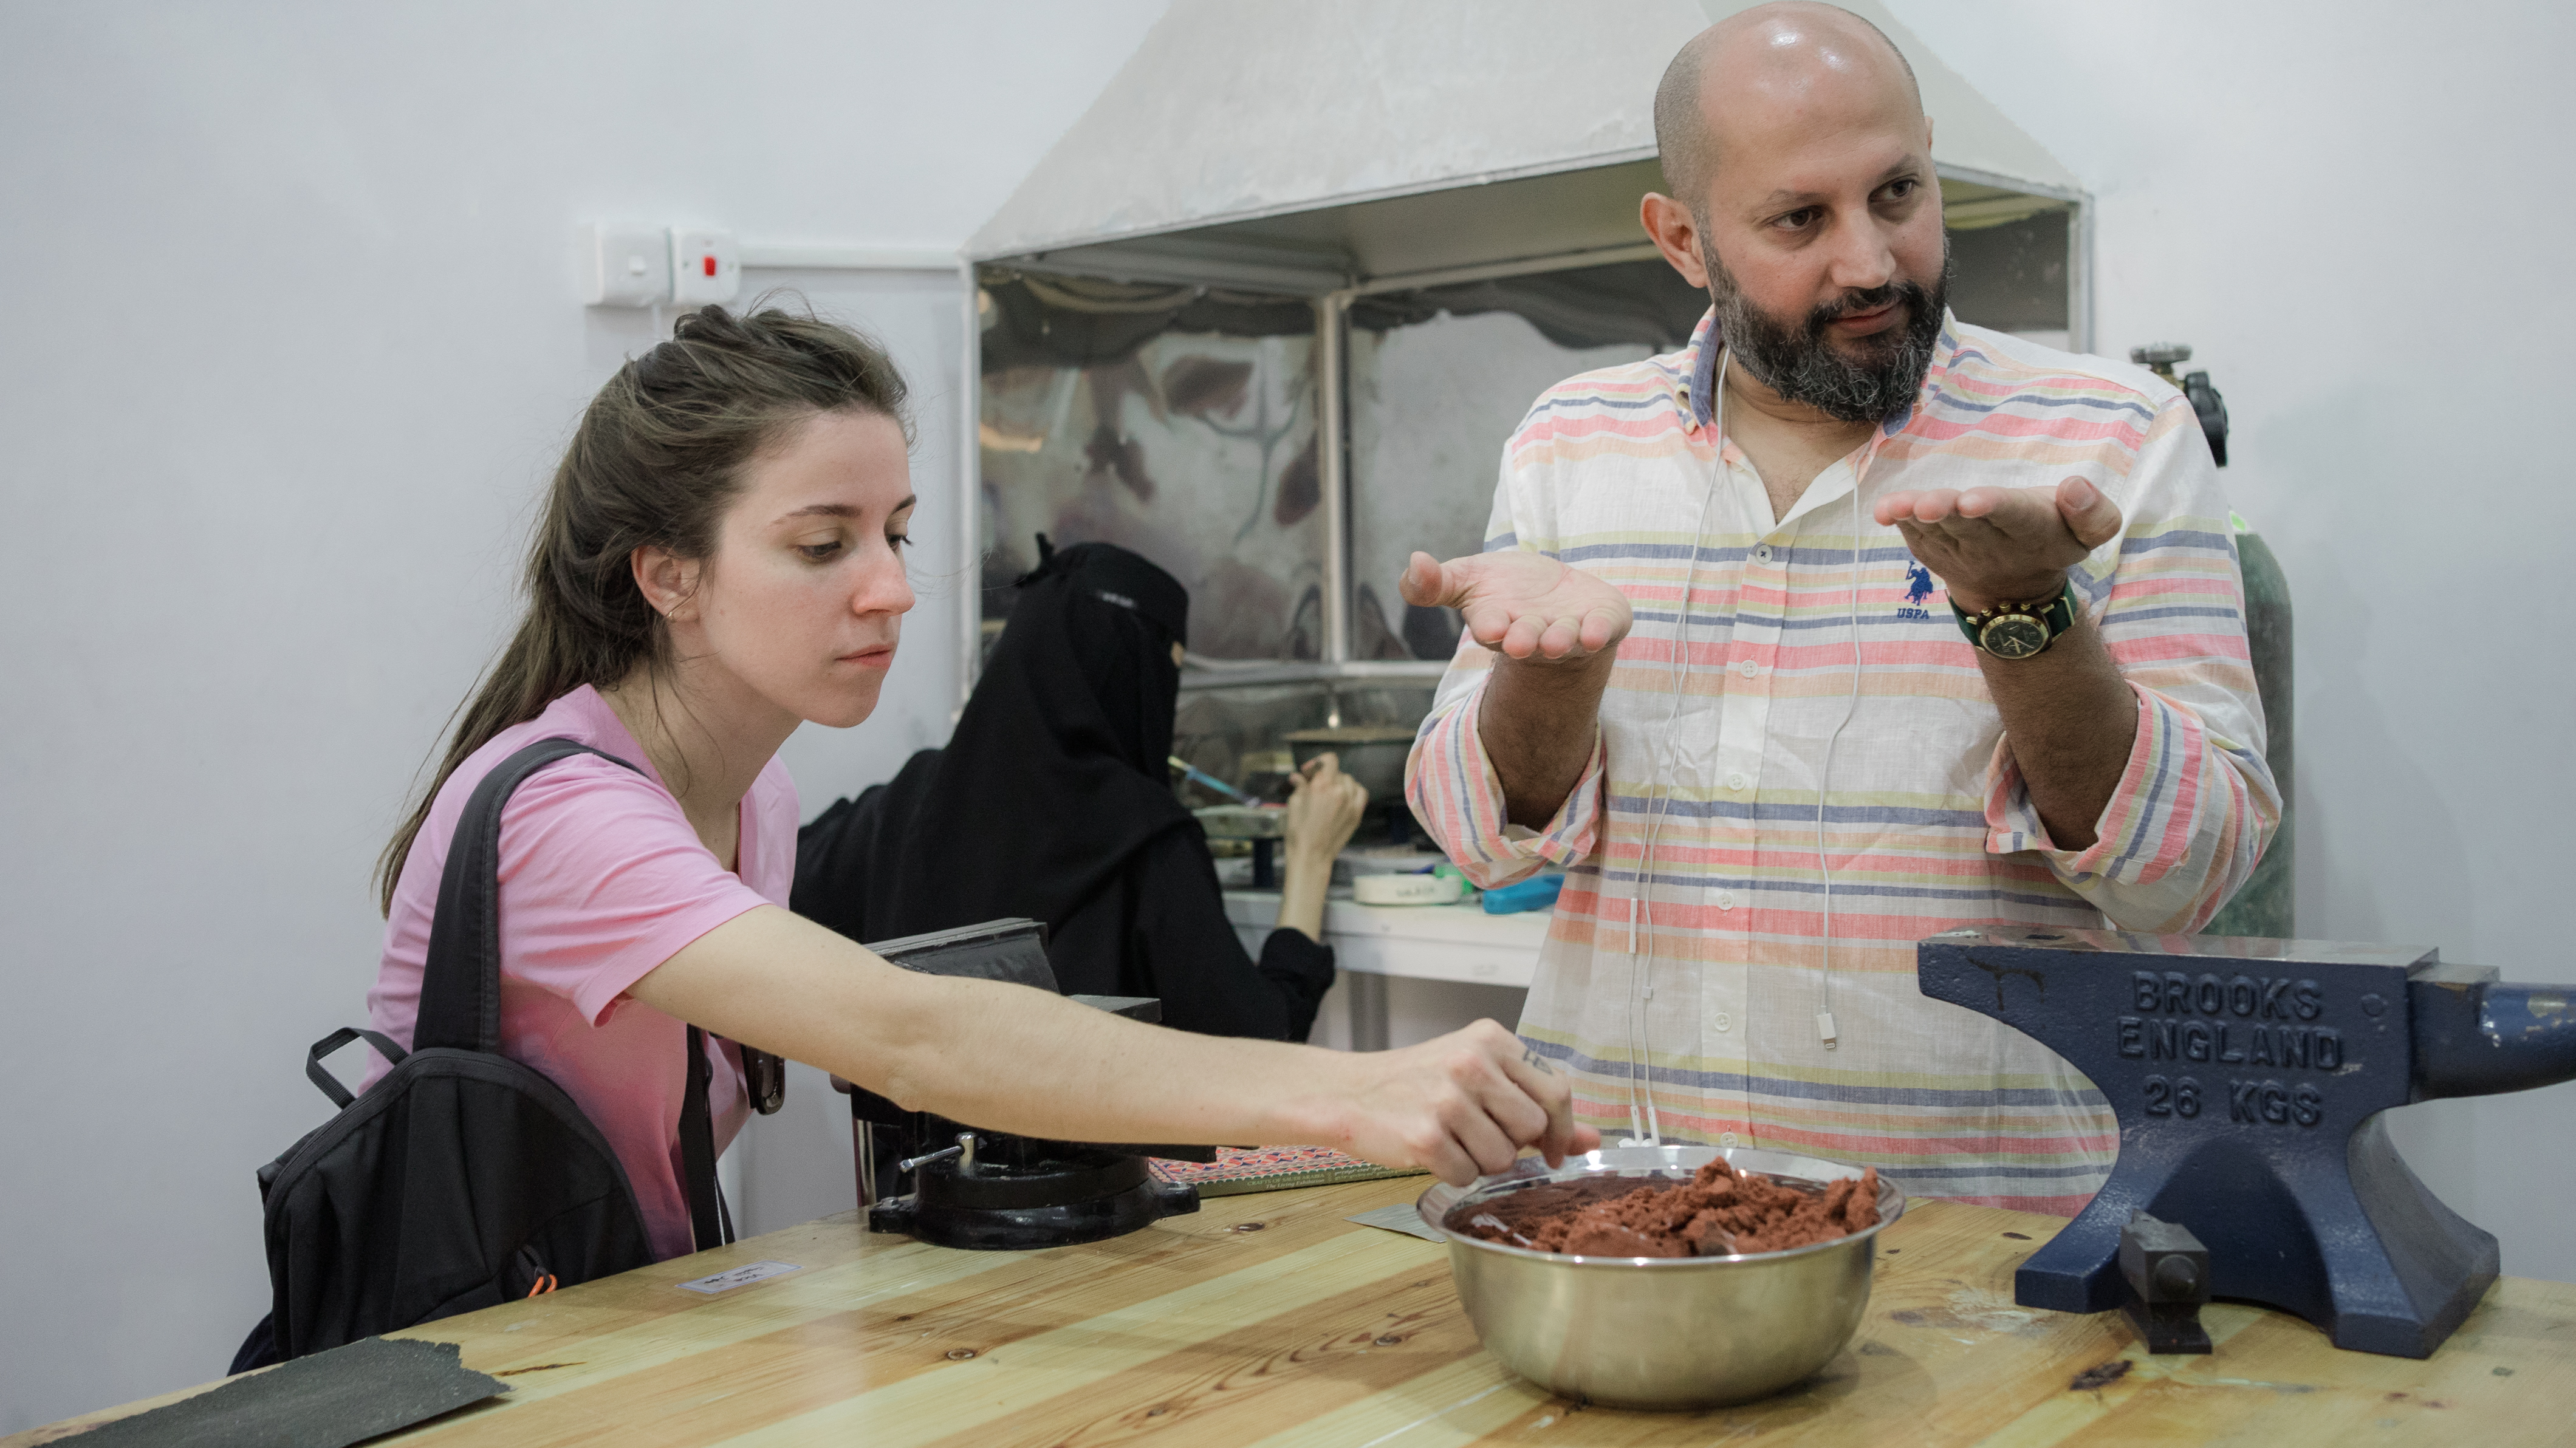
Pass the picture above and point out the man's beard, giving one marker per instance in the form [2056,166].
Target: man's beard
[1797,362]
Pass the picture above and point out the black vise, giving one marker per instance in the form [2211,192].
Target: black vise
[884,1134]
[2249,1077]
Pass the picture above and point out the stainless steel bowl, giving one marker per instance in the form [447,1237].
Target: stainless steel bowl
[1662,1332]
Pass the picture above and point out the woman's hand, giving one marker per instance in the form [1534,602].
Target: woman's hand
[1324,807]
[1462,1105]
[1322,812]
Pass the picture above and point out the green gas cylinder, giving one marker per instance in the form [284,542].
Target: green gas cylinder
[2266,905]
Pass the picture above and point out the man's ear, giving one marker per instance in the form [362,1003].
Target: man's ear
[1670,226]
[666,580]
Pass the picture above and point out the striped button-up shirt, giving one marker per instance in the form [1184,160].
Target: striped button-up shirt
[1800,773]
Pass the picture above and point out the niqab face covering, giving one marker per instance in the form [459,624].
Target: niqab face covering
[1053,779]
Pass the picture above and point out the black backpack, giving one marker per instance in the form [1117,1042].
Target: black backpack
[462,1179]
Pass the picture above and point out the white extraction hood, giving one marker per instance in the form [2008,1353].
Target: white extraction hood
[1313,145]
[1325,150]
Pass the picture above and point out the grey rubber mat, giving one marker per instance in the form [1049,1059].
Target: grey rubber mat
[326,1400]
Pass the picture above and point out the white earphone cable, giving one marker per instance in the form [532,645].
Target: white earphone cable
[1825,1030]
[1646,1128]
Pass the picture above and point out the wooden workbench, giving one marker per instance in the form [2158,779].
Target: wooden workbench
[1269,1320]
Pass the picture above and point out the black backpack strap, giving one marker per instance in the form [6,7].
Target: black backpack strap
[460,984]
[709,1223]
[321,1074]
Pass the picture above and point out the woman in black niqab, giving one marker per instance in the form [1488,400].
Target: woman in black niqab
[1051,801]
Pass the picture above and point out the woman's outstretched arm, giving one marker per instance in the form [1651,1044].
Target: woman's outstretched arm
[1011,1058]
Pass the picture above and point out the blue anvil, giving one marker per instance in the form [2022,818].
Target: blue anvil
[2249,1077]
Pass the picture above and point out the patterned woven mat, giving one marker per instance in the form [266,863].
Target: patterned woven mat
[1273,1168]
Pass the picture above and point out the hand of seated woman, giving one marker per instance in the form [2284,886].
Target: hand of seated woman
[1324,807]
[1322,812]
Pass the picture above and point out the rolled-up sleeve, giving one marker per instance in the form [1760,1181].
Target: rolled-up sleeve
[1454,791]
[2196,803]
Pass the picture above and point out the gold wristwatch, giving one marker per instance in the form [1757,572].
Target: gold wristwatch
[2020,630]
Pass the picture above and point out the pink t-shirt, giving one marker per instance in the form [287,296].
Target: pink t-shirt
[602,879]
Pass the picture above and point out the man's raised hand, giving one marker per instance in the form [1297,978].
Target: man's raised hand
[1525,605]
[2002,545]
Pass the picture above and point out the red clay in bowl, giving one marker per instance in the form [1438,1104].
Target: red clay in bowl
[1720,1212]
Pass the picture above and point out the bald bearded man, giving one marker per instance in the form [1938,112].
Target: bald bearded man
[1848,624]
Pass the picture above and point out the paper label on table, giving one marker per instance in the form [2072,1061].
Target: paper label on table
[1402,1217]
[741,1277]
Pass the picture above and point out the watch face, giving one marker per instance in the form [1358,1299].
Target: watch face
[2014,636]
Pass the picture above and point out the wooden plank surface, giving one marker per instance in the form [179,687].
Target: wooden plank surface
[1266,1319]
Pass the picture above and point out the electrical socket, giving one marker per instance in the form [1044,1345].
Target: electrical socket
[706,266]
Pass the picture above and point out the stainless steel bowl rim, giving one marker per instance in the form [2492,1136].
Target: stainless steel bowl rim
[1595,1166]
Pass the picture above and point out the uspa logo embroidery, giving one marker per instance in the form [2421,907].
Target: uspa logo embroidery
[1918,587]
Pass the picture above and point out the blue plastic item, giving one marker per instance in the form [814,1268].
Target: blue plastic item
[1201,776]
[1536,893]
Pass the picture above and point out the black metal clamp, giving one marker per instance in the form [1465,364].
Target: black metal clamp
[2168,1274]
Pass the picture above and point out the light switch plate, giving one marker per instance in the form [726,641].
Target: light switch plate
[625,264]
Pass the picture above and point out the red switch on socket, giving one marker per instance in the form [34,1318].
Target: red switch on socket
[705,266]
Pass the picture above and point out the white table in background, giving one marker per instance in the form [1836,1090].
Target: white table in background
[1418,942]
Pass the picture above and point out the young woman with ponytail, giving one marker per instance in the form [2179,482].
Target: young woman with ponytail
[721,559]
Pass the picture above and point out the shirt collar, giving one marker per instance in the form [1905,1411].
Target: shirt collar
[1935,377]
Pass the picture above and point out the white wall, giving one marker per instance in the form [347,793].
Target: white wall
[292,345]
[2353,211]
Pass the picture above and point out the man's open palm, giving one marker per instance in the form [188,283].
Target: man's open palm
[1527,605]
[2002,545]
